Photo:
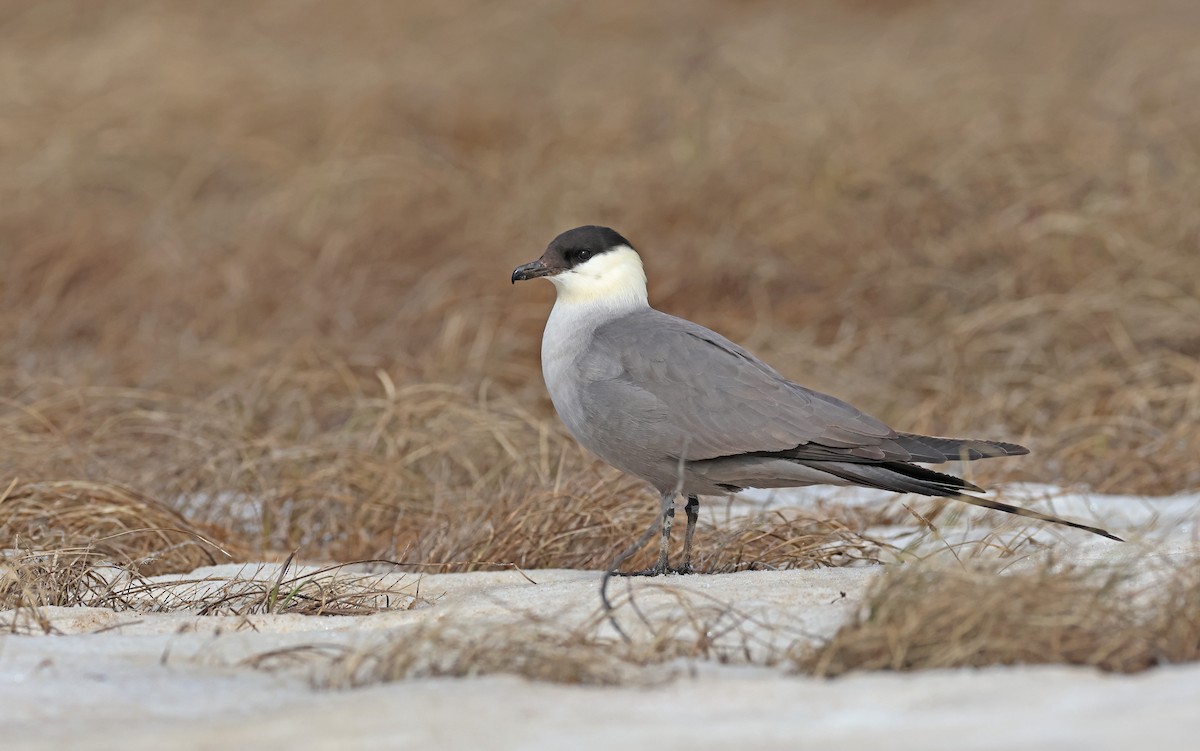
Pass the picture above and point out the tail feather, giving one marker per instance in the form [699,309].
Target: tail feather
[910,478]
[898,477]
[1031,514]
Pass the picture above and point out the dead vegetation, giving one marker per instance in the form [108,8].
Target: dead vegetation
[332,590]
[665,628]
[537,651]
[1122,619]
[33,581]
[105,523]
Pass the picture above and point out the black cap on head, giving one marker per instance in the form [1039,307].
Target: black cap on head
[576,246]
[568,250]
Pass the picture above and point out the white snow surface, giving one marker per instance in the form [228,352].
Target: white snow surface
[132,680]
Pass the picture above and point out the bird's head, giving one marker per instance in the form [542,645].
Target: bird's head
[590,264]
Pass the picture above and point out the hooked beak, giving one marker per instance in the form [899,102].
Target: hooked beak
[531,270]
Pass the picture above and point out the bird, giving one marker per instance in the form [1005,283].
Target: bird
[690,412]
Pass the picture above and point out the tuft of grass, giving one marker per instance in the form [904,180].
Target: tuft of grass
[671,628]
[538,652]
[329,590]
[30,582]
[86,521]
[1113,618]
[786,540]
[64,578]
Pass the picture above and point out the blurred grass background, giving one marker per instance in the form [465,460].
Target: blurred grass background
[255,256]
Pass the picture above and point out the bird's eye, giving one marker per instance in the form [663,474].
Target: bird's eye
[582,255]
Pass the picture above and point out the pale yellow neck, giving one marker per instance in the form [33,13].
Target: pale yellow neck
[613,280]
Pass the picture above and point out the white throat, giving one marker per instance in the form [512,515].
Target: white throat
[605,287]
[613,280]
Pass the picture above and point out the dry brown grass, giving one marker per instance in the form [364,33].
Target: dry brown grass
[535,651]
[1114,618]
[104,523]
[664,629]
[33,581]
[326,591]
[255,256]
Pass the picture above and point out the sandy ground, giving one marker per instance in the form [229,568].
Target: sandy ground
[143,680]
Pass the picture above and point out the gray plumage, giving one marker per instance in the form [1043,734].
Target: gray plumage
[686,391]
[689,411]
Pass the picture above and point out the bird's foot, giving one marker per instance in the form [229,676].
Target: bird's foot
[659,570]
[652,571]
[661,567]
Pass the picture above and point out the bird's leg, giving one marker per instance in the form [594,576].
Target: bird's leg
[692,509]
[664,545]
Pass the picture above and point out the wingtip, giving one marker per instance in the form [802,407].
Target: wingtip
[1000,448]
[1016,449]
